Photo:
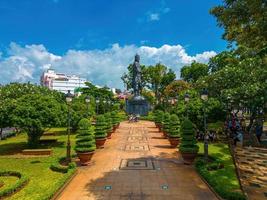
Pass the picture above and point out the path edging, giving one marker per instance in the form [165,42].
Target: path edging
[60,190]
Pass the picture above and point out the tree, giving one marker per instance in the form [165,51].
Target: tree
[191,73]
[6,108]
[176,87]
[244,22]
[34,112]
[222,60]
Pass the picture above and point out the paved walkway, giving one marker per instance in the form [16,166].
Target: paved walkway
[137,163]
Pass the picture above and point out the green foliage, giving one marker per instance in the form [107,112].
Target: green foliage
[159,114]
[85,138]
[22,180]
[33,113]
[174,126]
[57,167]
[109,122]
[176,87]
[188,142]
[244,22]
[205,170]
[115,118]
[166,122]
[100,127]
[191,73]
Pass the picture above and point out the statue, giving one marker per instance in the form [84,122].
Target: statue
[137,105]
[136,82]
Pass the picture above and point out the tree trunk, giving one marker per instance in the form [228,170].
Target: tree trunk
[34,137]
[1,132]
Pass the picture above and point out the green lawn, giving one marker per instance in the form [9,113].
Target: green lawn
[222,180]
[43,182]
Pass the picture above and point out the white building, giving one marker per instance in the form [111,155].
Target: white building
[62,82]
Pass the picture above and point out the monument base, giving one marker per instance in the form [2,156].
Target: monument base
[138,105]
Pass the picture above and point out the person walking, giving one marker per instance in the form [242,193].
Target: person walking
[259,129]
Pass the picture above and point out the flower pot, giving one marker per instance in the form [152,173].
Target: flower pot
[188,157]
[85,157]
[114,128]
[109,134]
[174,141]
[100,142]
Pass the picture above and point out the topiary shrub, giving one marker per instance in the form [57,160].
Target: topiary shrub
[166,123]
[85,138]
[108,122]
[174,130]
[115,118]
[157,117]
[188,142]
[23,180]
[100,127]
[58,167]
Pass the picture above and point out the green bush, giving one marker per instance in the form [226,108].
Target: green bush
[85,138]
[23,180]
[100,127]
[57,167]
[188,142]
[159,114]
[204,170]
[108,122]
[174,126]
[115,118]
[166,122]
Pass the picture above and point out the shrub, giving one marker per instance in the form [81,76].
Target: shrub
[166,122]
[23,180]
[100,127]
[108,122]
[85,139]
[203,170]
[57,167]
[174,126]
[188,142]
[115,118]
[159,114]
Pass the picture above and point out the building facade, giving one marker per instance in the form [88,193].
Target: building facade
[61,82]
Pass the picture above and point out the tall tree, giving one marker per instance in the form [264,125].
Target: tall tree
[191,73]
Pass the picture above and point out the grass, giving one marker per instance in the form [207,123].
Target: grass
[43,181]
[225,179]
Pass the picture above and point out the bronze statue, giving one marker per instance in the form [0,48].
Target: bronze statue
[136,82]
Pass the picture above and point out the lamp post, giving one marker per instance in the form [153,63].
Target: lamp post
[87,101]
[204,97]
[186,99]
[97,104]
[69,97]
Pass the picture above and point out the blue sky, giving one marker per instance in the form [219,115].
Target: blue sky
[56,32]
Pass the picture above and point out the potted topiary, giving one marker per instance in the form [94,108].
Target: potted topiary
[188,146]
[100,131]
[109,127]
[157,118]
[160,119]
[115,120]
[174,131]
[166,124]
[85,143]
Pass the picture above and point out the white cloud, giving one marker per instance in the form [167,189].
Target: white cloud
[102,67]
[154,17]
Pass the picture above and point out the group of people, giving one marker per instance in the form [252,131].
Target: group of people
[133,118]
[211,136]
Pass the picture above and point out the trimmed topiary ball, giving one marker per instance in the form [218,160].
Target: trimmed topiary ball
[158,117]
[188,142]
[100,127]
[85,137]
[166,122]
[174,130]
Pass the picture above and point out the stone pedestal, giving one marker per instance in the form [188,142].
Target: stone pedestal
[138,105]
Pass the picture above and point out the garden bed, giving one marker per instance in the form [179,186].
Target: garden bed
[219,172]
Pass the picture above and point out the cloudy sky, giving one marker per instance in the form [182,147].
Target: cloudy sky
[98,39]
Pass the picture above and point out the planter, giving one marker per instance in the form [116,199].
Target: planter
[188,157]
[100,142]
[109,134]
[85,157]
[174,141]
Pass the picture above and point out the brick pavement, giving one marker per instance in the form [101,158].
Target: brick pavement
[137,164]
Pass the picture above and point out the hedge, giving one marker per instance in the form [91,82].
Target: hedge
[57,167]
[23,180]
[204,170]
